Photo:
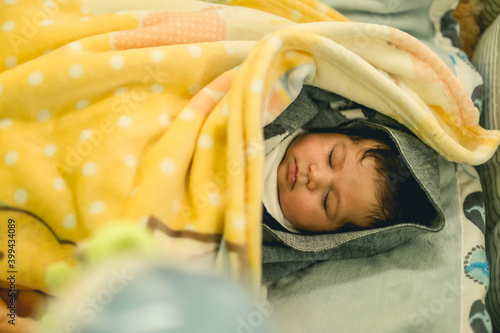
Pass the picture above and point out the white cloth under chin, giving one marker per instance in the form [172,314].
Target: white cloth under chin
[275,149]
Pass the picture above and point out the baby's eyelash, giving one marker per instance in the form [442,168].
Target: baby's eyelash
[323,202]
[329,158]
[329,162]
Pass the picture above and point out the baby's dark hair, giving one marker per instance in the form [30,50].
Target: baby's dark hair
[395,184]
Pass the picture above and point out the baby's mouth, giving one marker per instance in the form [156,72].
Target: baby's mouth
[292,173]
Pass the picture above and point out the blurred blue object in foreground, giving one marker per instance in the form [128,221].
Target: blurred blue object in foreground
[162,299]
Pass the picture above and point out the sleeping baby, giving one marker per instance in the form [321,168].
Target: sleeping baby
[342,184]
[334,181]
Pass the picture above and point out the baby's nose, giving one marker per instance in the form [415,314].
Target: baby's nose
[316,178]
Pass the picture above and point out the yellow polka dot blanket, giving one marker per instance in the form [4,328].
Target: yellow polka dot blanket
[151,113]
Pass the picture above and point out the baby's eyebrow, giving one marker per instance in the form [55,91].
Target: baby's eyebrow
[344,154]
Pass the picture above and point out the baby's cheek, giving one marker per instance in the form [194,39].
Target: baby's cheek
[286,203]
[294,207]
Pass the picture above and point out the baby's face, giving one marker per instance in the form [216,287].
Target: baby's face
[323,184]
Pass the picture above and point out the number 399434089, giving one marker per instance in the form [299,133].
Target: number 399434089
[11,242]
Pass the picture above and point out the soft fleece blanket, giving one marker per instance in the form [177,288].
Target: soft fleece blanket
[152,112]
